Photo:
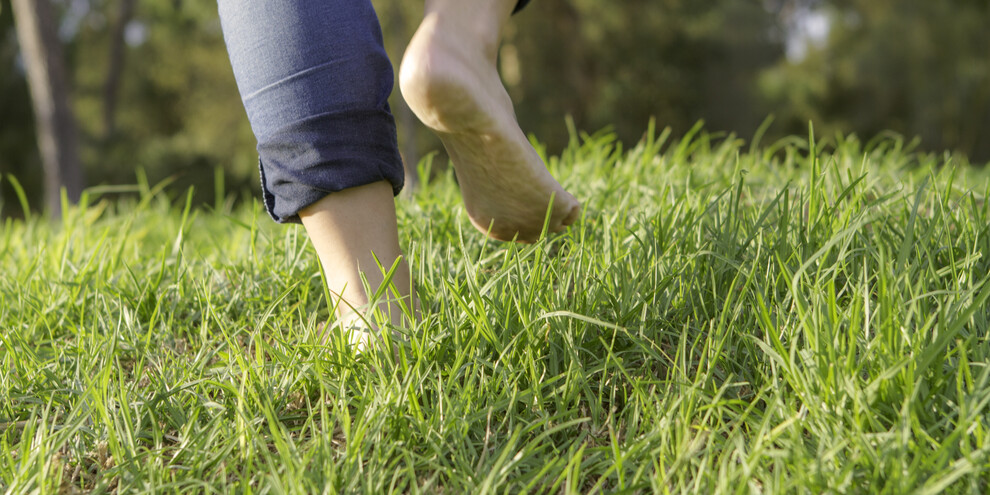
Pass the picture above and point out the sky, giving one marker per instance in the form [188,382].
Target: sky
[810,29]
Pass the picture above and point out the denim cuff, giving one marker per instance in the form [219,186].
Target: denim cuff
[305,161]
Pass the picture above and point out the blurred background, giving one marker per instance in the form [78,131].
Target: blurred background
[146,85]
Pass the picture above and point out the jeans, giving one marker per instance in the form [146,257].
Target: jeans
[315,81]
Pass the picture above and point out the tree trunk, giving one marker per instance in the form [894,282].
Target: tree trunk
[406,122]
[55,124]
[116,66]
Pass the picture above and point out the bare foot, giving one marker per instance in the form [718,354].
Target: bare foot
[449,79]
[354,333]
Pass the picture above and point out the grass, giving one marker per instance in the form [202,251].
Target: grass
[805,316]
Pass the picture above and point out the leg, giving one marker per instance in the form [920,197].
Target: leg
[349,230]
[315,82]
[449,79]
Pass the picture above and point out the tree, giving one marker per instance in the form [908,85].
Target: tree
[111,88]
[54,120]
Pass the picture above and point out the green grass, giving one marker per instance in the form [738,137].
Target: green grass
[725,317]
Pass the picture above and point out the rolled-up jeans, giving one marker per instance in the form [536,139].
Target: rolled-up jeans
[315,81]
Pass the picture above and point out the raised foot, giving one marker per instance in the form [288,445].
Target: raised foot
[450,82]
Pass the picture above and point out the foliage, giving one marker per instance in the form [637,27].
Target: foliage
[180,113]
[915,67]
[806,316]
[606,64]
[918,68]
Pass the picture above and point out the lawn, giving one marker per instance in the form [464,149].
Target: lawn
[733,317]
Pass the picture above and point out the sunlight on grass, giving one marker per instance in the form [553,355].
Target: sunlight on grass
[797,316]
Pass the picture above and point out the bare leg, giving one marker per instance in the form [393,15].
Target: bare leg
[449,79]
[349,229]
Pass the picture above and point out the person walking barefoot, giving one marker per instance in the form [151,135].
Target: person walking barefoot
[315,82]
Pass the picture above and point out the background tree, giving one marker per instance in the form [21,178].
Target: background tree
[54,120]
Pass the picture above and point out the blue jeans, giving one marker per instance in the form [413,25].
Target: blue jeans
[315,81]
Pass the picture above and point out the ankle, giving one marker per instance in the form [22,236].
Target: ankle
[469,27]
[353,231]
